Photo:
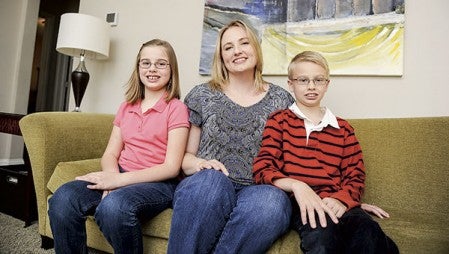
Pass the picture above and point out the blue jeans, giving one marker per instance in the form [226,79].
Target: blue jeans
[119,214]
[211,214]
[356,232]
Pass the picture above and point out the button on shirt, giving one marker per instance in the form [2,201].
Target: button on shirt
[145,135]
[328,119]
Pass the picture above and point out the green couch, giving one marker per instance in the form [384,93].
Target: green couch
[407,162]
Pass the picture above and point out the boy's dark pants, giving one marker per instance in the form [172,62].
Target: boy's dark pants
[356,232]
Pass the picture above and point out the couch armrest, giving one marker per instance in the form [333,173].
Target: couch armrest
[53,137]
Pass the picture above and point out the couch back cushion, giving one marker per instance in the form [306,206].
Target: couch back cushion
[407,160]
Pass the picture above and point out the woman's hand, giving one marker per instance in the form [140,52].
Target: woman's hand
[211,164]
[379,212]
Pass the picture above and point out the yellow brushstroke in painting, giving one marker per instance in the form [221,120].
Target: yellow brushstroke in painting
[361,45]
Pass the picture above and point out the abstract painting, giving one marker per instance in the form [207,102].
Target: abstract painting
[357,37]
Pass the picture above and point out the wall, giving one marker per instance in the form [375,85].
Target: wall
[18,28]
[421,91]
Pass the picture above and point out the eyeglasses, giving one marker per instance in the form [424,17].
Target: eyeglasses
[145,64]
[319,82]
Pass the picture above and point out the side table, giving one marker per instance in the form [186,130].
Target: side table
[17,194]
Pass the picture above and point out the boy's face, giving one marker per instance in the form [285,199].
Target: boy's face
[309,83]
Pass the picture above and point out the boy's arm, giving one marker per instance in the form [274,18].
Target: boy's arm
[352,170]
[267,165]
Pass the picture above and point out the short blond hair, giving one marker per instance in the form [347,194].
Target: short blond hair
[309,56]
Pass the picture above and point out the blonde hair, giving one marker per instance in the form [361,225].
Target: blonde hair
[309,56]
[135,88]
[219,73]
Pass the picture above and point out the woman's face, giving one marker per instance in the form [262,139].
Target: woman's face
[154,68]
[236,51]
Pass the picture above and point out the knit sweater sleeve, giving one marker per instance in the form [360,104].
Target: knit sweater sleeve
[352,170]
[268,163]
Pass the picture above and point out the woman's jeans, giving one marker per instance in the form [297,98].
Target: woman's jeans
[212,214]
[356,232]
[119,214]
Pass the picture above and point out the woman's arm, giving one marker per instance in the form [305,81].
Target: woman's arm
[192,164]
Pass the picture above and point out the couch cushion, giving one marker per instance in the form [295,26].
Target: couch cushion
[159,226]
[67,171]
[417,232]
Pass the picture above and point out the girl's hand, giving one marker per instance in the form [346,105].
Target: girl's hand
[211,164]
[101,180]
[309,203]
[379,212]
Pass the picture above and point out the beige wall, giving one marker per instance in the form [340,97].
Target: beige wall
[421,91]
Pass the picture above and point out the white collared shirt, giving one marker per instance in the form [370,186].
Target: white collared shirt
[328,119]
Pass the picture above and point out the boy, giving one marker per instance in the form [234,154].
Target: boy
[316,157]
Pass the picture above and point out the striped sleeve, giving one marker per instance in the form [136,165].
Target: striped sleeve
[268,163]
[352,170]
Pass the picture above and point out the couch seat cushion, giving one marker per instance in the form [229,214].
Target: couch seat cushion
[417,231]
[67,171]
[159,226]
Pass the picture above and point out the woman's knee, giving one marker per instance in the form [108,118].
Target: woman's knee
[269,204]
[273,200]
[208,183]
[206,190]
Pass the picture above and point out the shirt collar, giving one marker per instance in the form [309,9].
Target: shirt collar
[328,119]
[160,105]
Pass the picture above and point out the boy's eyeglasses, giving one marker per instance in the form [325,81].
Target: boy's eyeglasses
[319,82]
[144,64]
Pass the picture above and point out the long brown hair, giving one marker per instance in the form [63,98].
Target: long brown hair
[135,88]
[219,73]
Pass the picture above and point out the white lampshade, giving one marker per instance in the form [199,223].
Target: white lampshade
[79,32]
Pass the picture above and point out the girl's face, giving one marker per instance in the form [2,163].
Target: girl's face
[311,94]
[236,50]
[154,68]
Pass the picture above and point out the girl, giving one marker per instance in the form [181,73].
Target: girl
[140,163]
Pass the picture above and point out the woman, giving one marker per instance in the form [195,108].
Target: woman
[140,163]
[217,208]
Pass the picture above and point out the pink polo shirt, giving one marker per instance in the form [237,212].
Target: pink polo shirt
[145,135]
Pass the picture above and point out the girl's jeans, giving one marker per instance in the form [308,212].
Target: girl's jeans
[212,214]
[119,214]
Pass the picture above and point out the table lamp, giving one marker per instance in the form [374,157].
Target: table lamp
[82,36]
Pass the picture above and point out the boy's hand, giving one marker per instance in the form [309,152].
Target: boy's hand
[336,206]
[379,212]
[309,203]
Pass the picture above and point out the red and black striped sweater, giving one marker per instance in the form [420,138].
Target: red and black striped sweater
[331,162]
